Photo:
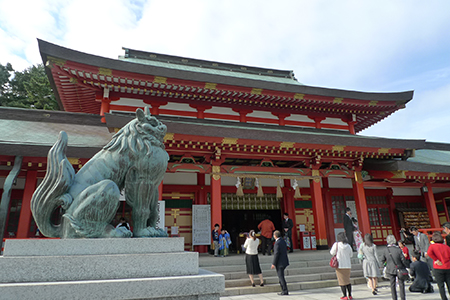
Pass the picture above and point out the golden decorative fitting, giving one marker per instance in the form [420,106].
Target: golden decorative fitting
[74,160]
[30,164]
[216,177]
[159,79]
[56,61]
[104,71]
[431,175]
[299,96]
[338,100]
[287,145]
[384,150]
[169,137]
[230,141]
[216,169]
[315,173]
[358,177]
[257,91]
[338,148]
[210,86]
[398,174]
[73,80]
[373,103]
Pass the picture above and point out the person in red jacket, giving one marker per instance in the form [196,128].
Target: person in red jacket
[267,228]
[440,254]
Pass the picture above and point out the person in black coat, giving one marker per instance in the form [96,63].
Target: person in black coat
[349,227]
[280,260]
[394,258]
[287,226]
[422,275]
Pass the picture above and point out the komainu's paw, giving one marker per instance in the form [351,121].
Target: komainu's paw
[151,232]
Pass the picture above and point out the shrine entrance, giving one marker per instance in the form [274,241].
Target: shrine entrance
[242,214]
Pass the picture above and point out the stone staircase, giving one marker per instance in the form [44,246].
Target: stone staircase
[307,270]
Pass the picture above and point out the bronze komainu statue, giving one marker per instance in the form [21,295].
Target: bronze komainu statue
[134,159]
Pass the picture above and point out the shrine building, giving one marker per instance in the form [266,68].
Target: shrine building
[250,142]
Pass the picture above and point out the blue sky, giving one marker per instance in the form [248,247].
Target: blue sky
[373,46]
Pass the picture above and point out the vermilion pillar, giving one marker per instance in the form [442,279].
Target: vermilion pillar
[25,211]
[431,206]
[216,200]
[361,204]
[160,191]
[290,209]
[319,214]
[104,108]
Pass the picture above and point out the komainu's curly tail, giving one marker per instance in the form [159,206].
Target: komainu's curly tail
[51,193]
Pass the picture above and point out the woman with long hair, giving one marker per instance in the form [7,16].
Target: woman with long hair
[394,259]
[251,258]
[344,253]
[371,265]
[440,254]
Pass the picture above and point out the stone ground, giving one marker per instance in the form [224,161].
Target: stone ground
[359,292]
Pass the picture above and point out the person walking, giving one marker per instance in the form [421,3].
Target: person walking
[394,259]
[371,264]
[251,258]
[280,261]
[287,227]
[266,227]
[440,254]
[349,227]
[344,254]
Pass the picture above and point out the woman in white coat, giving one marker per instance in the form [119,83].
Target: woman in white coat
[344,253]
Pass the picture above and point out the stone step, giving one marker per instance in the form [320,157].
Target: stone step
[307,270]
[272,278]
[293,286]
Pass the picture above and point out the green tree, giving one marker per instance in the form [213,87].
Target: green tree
[27,89]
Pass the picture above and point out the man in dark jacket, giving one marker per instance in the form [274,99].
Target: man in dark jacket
[422,275]
[280,260]
[349,227]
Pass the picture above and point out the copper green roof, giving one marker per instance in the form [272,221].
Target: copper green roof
[208,67]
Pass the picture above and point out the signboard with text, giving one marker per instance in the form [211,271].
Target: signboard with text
[201,224]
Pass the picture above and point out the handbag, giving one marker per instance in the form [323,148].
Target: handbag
[333,261]
[402,273]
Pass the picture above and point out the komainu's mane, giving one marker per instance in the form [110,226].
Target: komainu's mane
[134,138]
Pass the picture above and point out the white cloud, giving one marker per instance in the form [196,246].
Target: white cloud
[360,45]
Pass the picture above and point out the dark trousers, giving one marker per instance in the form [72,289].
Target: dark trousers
[350,238]
[266,244]
[401,286]
[280,273]
[442,278]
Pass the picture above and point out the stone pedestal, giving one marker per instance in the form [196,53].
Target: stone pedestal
[141,268]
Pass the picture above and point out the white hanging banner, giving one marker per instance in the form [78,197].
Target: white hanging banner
[161,223]
[201,225]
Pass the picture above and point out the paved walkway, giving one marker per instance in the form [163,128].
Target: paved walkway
[359,292]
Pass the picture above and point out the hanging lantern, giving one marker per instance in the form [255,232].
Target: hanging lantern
[279,192]
[260,192]
[297,189]
[240,190]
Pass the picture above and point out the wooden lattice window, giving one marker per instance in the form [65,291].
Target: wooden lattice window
[338,204]
[373,217]
[385,217]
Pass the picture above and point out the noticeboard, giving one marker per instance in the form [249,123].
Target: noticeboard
[201,225]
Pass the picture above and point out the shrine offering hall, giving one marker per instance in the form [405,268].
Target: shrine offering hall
[245,143]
